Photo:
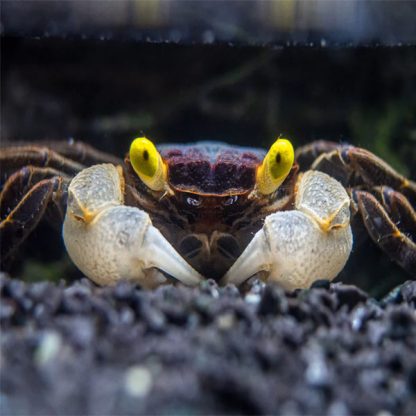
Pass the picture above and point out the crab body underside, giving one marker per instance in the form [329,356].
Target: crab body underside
[212,222]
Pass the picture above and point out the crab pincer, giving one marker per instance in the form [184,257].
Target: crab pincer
[295,248]
[109,241]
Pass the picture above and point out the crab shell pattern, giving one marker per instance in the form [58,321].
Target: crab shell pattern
[210,220]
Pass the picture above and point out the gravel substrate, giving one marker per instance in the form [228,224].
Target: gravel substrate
[80,349]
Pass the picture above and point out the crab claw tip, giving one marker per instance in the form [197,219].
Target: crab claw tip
[255,258]
[162,255]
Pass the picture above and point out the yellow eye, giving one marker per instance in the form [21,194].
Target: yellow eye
[148,164]
[275,167]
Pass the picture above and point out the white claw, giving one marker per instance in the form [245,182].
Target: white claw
[295,248]
[109,241]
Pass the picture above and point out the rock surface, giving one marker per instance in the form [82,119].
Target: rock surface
[80,349]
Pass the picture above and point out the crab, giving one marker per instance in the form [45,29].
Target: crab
[208,209]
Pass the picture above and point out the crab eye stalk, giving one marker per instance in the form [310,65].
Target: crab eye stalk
[148,164]
[275,167]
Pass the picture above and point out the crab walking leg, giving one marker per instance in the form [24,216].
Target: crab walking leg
[295,248]
[109,241]
[16,223]
[384,232]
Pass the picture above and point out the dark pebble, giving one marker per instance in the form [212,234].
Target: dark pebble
[321,284]
[411,380]
[408,293]
[402,323]
[39,291]
[328,350]
[14,289]
[155,320]
[210,287]
[123,291]
[7,309]
[175,314]
[203,305]
[349,295]
[273,301]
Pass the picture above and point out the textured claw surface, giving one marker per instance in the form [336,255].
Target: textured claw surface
[109,241]
[295,248]
[94,189]
[307,253]
[323,199]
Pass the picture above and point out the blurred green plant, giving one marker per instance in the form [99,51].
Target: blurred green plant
[389,132]
[52,271]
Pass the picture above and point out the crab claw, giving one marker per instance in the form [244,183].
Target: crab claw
[295,248]
[109,241]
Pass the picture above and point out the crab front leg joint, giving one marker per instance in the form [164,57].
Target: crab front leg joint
[295,248]
[109,241]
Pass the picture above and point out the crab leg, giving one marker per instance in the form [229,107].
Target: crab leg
[295,248]
[20,184]
[376,171]
[307,154]
[41,156]
[109,241]
[385,233]
[349,160]
[16,225]
[398,206]
[81,152]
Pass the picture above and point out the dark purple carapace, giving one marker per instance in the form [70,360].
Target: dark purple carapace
[208,218]
[212,167]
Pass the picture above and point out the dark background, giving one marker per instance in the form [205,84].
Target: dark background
[107,92]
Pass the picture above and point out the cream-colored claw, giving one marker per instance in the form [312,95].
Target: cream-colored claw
[295,248]
[109,241]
